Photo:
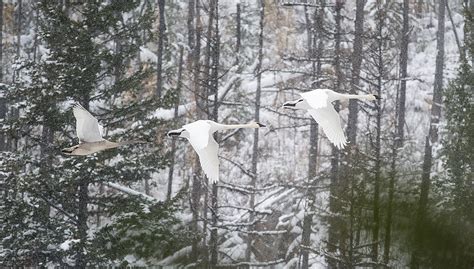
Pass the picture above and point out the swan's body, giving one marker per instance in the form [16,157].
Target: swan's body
[319,105]
[90,136]
[200,136]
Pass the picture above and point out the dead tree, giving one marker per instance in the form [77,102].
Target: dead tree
[255,155]
[400,124]
[431,138]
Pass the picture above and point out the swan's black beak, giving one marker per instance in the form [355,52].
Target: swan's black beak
[67,151]
[174,133]
[260,125]
[289,105]
[377,97]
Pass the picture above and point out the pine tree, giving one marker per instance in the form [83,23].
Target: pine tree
[60,193]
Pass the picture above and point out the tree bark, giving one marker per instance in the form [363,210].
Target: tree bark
[190,23]
[175,116]
[161,37]
[333,190]
[377,168]
[196,189]
[253,181]
[238,30]
[3,102]
[400,124]
[356,65]
[431,138]
[315,53]
[214,83]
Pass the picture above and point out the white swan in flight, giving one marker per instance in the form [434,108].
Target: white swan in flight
[319,105]
[199,134]
[90,135]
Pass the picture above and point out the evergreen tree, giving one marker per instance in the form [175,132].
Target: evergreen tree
[52,198]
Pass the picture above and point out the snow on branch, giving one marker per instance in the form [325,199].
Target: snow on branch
[176,256]
[130,191]
[253,264]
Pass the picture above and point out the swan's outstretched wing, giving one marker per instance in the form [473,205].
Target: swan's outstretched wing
[209,160]
[316,98]
[87,126]
[330,122]
[199,133]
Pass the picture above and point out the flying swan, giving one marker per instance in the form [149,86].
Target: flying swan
[319,105]
[90,135]
[199,134]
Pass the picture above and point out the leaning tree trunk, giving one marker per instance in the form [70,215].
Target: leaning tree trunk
[399,136]
[253,181]
[431,138]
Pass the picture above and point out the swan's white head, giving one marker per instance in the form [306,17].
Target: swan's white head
[178,133]
[373,97]
[297,104]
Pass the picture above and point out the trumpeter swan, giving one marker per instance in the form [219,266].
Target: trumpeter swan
[319,105]
[199,134]
[90,136]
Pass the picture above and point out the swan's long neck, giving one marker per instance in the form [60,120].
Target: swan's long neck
[237,126]
[356,96]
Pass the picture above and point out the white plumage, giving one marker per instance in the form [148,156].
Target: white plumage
[319,105]
[87,126]
[200,136]
[89,133]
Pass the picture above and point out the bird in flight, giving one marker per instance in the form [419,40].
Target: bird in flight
[199,134]
[90,135]
[319,105]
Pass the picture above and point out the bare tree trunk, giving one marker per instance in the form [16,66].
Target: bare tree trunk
[238,30]
[3,101]
[161,37]
[253,181]
[399,137]
[1,45]
[431,139]
[190,23]
[419,8]
[356,64]
[471,30]
[315,53]
[18,37]
[377,168]
[214,83]
[342,231]
[175,116]
[333,189]
[196,189]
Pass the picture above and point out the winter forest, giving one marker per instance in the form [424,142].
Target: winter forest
[400,194]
